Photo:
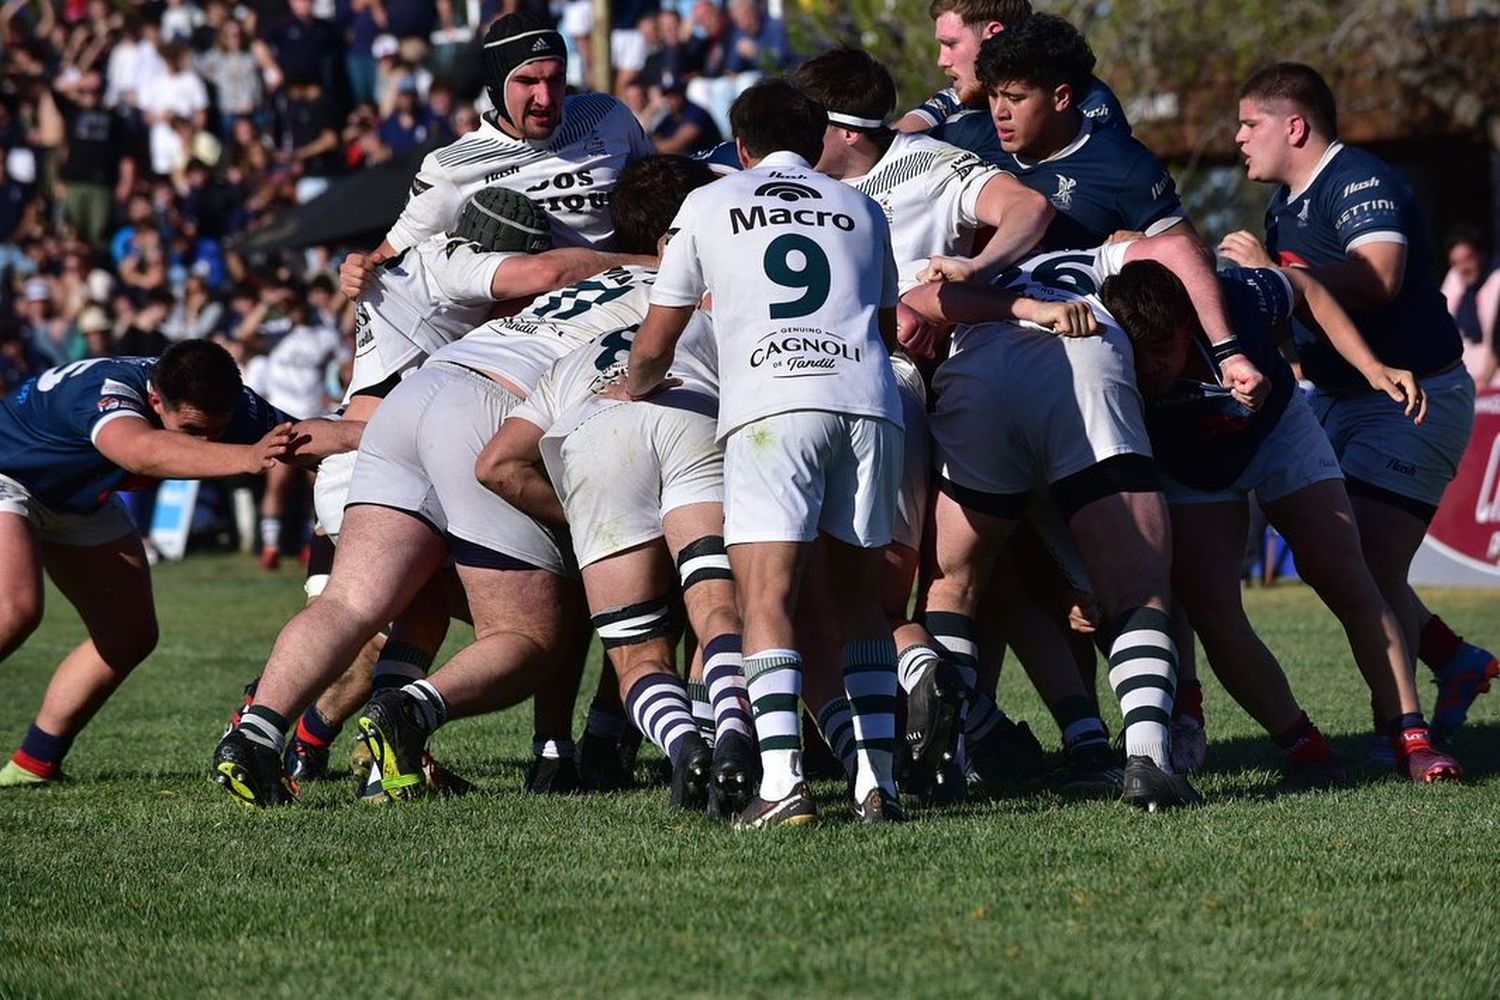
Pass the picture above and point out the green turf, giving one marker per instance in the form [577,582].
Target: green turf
[141,878]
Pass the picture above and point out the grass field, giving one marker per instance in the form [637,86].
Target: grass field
[141,878]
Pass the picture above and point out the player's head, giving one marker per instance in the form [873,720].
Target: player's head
[1468,254]
[959,26]
[195,386]
[1152,307]
[859,95]
[1035,75]
[501,220]
[773,116]
[647,196]
[1288,117]
[525,74]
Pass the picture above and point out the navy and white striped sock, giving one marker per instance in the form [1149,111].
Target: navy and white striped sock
[261,725]
[660,707]
[958,637]
[836,723]
[1143,674]
[400,663]
[774,680]
[912,665]
[703,709]
[432,711]
[724,673]
[870,684]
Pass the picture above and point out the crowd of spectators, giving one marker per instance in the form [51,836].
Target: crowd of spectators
[140,138]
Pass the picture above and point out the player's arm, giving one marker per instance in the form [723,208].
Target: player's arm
[1184,256]
[1317,306]
[509,467]
[526,275]
[136,446]
[432,205]
[1019,217]
[654,345]
[952,303]
[315,439]
[931,113]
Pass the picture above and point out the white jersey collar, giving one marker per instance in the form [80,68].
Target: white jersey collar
[1334,148]
[1084,132]
[783,158]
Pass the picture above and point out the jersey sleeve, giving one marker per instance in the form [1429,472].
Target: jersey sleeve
[465,273]
[938,108]
[252,419]
[960,175]
[1110,258]
[1274,299]
[113,400]
[1368,208]
[431,207]
[1148,196]
[540,405]
[679,281]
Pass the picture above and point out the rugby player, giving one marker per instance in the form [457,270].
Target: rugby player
[1352,220]
[1213,453]
[413,501]
[804,290]
[69,439]
[959,113]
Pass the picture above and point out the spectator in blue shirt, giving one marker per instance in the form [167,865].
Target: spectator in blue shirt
[410,125]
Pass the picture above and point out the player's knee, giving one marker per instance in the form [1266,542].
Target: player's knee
[636,624]
[125,648]
[703,560]
[20,614]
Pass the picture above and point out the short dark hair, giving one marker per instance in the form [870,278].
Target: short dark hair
[971,12]
[200,374]
[1465,233]
[850,81]
[1303,87]
[1148,301]
[647,197]
[1044,50]
[773,115]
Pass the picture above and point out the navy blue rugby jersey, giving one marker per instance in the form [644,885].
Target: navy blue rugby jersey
[1200,434]
[1356,198]
[1099,105]
[48,427]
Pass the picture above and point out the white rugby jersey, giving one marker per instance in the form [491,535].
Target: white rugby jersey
[522,347]
[799,266]
[1059,276]
[421,300]
[929,192]
[564,397]
[295,369]
[570,175]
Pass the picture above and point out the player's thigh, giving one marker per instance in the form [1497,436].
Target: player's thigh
[1126,542]
[643,573]
[387,469]
[1318,523]
[383,559]
[864,484]
[979,445]
[768,575]
[110,586]
[21,592]
[968,540]
[1208,547]
[527,602]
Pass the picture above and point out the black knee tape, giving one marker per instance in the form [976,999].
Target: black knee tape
[633,623]
[703,560]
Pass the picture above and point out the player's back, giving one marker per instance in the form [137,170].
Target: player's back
[799,266]
[522,347]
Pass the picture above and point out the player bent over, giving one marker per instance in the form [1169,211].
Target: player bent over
[70,438]
[642,487]
[804,289]
[1214,453]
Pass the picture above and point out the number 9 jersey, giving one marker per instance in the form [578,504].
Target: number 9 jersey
[799,266]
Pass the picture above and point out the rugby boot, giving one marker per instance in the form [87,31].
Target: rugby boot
[879,807]
[1007,758]
[934,715]
[1463,679]
[305,762]
[552,776]
[600,767]
[13,775]
[1150,788]
[253,774]
[736,771]
[1421,762]
[798,808]
[1092,771]
[391,729]
[691,779]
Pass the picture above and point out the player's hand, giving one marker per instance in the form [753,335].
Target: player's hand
[355,275]
[266,452]
[1066,319]
[917,337]
[1402,386]
[1125,236]
[1245,381]
[948,269]
[616,389]
[1083,614]
[1245,249]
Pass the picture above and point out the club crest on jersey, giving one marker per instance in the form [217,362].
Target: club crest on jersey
[1302,214]
[786,191]
[1063,199]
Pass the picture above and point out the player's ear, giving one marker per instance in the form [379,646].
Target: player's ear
[989,29]
[1297,130]
[1062,97]
[744,154]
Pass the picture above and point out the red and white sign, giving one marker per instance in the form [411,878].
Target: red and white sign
[1462,547]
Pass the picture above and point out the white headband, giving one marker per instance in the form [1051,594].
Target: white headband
[854,122]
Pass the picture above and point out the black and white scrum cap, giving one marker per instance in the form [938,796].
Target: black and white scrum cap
[513,41]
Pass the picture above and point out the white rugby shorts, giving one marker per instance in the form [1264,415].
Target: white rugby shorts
[418,453]
[626,467]
[789,476]
[74,530]
[1019,409]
